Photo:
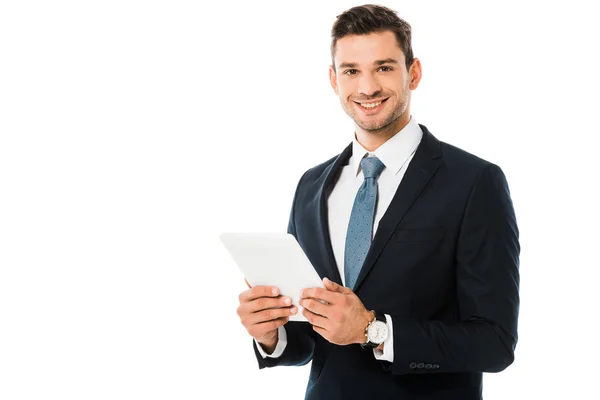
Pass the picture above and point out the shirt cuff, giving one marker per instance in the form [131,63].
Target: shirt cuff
[388,345]
[281,343]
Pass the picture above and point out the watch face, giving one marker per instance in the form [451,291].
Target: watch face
[377,332]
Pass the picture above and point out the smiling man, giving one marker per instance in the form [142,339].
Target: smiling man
[416,241]
[373,79]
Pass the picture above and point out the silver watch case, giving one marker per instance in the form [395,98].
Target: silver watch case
[377,332]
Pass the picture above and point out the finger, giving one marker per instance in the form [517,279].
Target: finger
[264,327]
[334,287]
[315,306]
[247,310]
[315,319]
[271,314]
[319,293]
[258,291]
[265,303]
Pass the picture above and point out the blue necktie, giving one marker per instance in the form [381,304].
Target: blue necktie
[360,228]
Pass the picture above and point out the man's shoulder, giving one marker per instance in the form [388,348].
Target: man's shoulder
[451,154]
[320,168]
[466,166]
[456,155]
[458,162]
[318,172]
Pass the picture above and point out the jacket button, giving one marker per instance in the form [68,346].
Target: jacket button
[435,366]
[413,365]
[428,366]
[420,365]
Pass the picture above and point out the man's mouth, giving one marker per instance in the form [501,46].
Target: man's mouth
[371,106]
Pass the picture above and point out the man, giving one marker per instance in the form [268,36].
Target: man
[416,242]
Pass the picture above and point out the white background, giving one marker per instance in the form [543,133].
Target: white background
[133,132]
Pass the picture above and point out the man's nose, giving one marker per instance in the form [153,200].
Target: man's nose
[368,85]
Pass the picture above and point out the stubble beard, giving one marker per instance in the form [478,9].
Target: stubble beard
[378,126]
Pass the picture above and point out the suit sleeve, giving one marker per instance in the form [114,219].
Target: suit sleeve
[300,341]
[484,337]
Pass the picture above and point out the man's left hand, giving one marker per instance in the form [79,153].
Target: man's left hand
[342,320]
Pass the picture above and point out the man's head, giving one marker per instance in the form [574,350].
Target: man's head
[373,68]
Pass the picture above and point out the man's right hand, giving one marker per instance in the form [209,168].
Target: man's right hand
[262,311]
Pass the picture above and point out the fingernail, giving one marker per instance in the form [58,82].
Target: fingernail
[274,291]
[293,310]
[287,300]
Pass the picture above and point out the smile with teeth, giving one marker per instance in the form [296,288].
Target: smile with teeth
[372,105]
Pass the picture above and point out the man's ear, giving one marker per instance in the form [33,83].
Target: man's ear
[415,73]
[333,79]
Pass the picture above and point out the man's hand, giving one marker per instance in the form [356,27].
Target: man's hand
[262,311]
[342,320]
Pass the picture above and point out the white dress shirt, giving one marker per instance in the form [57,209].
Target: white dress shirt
[395,154]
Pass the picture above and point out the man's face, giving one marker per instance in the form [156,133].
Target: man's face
[371,80]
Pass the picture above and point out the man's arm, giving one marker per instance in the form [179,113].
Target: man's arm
[487,276]
[299,346]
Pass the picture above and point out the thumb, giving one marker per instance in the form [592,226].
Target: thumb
[334,287]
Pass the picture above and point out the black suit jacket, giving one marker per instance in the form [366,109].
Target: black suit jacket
[443,263]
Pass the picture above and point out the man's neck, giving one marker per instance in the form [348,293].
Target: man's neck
[371,140]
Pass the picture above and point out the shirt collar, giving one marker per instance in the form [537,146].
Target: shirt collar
[394,152]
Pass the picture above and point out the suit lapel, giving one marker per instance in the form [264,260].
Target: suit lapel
[331,175]
[420,171]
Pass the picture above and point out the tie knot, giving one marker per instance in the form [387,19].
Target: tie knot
[371,167]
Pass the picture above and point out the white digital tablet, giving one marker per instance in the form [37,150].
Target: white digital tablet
[273,259]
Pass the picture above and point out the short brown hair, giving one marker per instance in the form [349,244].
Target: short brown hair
[370,18]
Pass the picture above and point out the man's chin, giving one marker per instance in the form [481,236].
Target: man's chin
[376,126]
[372,126]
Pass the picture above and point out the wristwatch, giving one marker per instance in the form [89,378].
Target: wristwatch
[376,332]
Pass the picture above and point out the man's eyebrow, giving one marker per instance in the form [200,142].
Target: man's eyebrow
[378,62]
[348,65]
[386,61]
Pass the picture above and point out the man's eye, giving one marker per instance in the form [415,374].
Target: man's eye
[385,69]
[351,72]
